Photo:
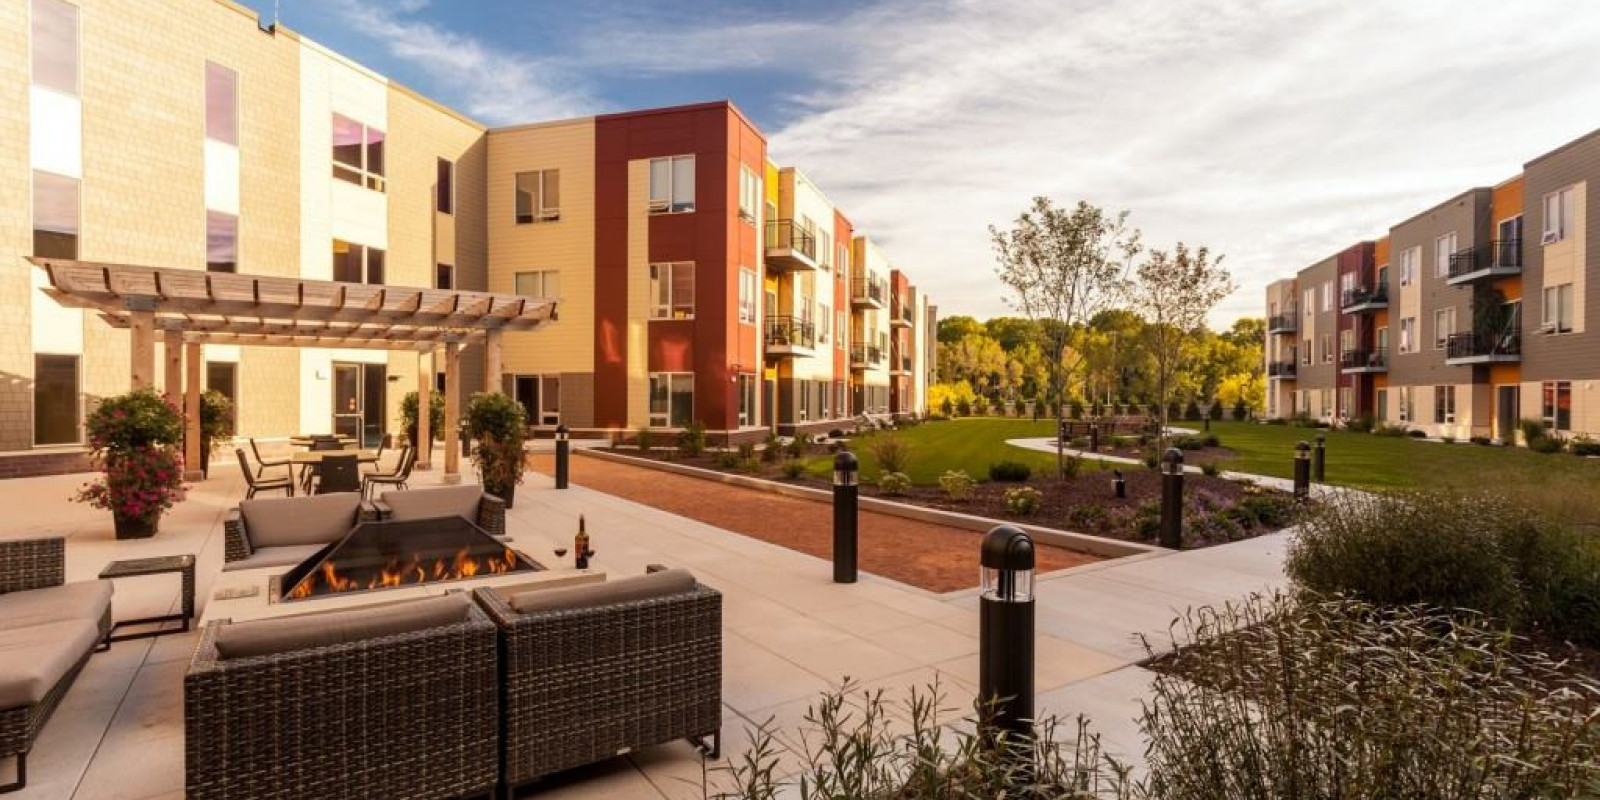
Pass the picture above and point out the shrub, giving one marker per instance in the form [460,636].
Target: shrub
[1417,434]
[1087,516]
[1240,410]
[692,439]
[836,433]
[1532,430]
[892,454]
[1010,471]
[797,445]
[645,439]
[1147,519]
[408,415]
[1447,439]
[1152,459]
[1277,421]
[964,408]
[771,448]
[957,485]
[498,424]
[1480,440]
[793,468]
[1545,444]
[1385,429]
[1584,446]
[948,407]
[1071,466]
[894,484]
[1023,501]
[747,451]
[1363,423]
[1210,469]
[1187,442]
[727,459]
[1077,409]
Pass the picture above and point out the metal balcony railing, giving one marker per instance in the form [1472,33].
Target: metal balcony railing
[1364,295]
[1281,369]
[1376,358]
[784,234]
[872,289]
[791,332]
[1479,345]
[866,354]
[1499,256]
[1286,322]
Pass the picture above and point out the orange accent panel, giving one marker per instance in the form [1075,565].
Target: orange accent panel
[1380,251]
[1508,200]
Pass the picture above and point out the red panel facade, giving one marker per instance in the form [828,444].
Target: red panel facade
[1357,262]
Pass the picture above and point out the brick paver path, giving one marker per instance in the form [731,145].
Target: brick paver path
[933,557]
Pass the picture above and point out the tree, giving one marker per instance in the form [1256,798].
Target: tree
[954,329]
[1063,267]
[1175,292]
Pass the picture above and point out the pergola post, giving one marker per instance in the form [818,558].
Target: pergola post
[452,412]
[142,338]
[191,412]
[492,364]
[172,380]
[424,442]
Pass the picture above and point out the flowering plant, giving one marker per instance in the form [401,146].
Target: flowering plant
[135,437]
[498,425]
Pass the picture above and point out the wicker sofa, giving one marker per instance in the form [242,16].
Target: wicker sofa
[284,531]
[590,671]
[385,702]
[48,630]
[466,500]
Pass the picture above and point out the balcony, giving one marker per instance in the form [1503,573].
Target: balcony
[869,291]
[1483,348]
[1364,299]
[865,356]
[791,336]
[1497,259]
[899,364]
[1353,362]
[899,314]
[1281,369]
[1287,322]
[790,247]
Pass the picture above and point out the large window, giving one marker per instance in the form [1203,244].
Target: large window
[1409,259]
[1382,404]
[55,46]
[1327,295]
[55,399]
[357,153]
[55,215]
[749,193]
[747,399]
[672,185]
[1408,334]
[671,399]
[444,276]
[444,187]
[1444,324]
[672,290]
[824,316]
[354,263]
[222,242]
[1443,248]
[1558,309]
[1557,405]
[1444,405]
[223,377]
[1327,348]
[1559,212]
[1310,304]
[842,329]
[222,104]
[538,196]
[747,295]
[539,283]
[1407,395]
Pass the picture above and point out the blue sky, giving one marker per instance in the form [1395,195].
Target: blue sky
[1274,131]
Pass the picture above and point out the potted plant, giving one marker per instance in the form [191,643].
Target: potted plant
[134,438]
[408,416]
[215,428]
[498,424]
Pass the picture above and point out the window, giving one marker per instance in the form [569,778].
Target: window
[1558,405]
[824,316]
[1408,334]
[671,399]
[1558,312]
[55,399]
[746,386]
[1327,402]
[1327,348]
[824,249]
[1443,248]
[1444,324]
[747,295]
[540,396]
[1383,405]
[1305,352]
[444,187]
[842,332]
[223,377]
[843,262]
[1347,401]
[803,396]
[1327,295]
[1558,215]
[55,215]
[749,193]
[538,196]
[672,185]
[55,46]
[1383,277]
[1407,394]
[672,290]
[357,153]
[1444,405]
[1310,305]
[444,276]
[540,283]
[222,104]
[1347,341]
[353,262]
[1409,258]
[1383,340]
[222,242]
[1347,281]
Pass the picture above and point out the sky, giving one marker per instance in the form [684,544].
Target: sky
[1276,132]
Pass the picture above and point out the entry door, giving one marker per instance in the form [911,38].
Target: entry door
[768,394]
[540,397]
[358,401]
[1506,413]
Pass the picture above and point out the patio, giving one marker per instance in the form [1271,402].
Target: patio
[789,633]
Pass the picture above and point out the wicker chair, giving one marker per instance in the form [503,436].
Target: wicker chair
[27,565]
[410,715]
[581,685]
[483,509]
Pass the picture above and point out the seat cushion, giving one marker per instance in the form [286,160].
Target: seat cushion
[274,557]
[287,635]
[86,600]
[34,659]
[283,521]
[644,587]
[445,501]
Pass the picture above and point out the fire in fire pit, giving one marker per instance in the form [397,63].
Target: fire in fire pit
[385,555]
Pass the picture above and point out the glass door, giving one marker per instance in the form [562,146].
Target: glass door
[347,400]
[358,402]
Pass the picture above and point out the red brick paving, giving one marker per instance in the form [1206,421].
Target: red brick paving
[935,557]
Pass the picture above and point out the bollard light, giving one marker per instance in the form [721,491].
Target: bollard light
[1319,459]
[563,456]
[1094,436]
[1172,499]
[1119,485]
[1005,632]
[845,498]
[1302,470]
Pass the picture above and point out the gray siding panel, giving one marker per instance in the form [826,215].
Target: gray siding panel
[1574,356]
[1470,216]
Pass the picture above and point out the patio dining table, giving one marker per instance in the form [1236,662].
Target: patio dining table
[307,441]
[308,461]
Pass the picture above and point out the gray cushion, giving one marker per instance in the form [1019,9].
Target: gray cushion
[445,501]
[643,587]
[274,557]
[34,659]
[85,600]
[268,636]
[318,519]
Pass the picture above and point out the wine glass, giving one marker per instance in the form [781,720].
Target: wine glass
[561,552]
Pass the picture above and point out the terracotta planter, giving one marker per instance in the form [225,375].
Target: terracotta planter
[136,527]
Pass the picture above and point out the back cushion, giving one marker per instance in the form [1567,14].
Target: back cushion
[645,587]
[447,501]
[268,636]
[287,521]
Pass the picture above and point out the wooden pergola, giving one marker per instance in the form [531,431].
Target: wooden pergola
[189,308]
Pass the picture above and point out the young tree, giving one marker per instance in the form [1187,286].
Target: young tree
[1175,291]
[1062,267]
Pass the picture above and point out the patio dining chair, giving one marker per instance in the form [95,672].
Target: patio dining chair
[321,442]
[256,484]
[377,460]
[338,474]
[263,463]
[397,479]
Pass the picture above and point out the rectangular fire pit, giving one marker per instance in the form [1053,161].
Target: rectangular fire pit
[389,555]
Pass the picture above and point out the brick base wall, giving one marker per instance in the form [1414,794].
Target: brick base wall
[51,462]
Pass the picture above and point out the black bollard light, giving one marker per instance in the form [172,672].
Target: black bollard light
[563,453]
[1319,459]
[1172,499]
[1094,436]
[1302,470]
[1005,631]
[845,493]
[1119,485]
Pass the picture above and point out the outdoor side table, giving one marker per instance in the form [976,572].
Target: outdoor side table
[159,565]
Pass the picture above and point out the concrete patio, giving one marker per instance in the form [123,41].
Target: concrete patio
[789,633]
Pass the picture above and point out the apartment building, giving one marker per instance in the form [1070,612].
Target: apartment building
[190,134]
[1433,334]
